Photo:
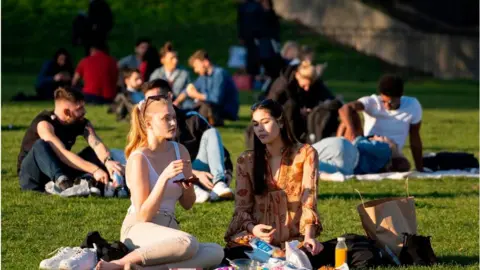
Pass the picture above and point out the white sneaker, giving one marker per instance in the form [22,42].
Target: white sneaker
[95,191]
[83,259]
[222,191]
[201,195]
[62,254]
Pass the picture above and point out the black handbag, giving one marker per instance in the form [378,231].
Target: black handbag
[417,250]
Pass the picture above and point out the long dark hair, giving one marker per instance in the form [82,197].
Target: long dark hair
[259,149]
[153,61]
[55,68]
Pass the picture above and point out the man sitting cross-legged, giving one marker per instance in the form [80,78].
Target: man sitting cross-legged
[212,164]
[45,154]
[389,114]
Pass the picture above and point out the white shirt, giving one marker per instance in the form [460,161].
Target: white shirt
[394,124]
[168,75]
[173,191]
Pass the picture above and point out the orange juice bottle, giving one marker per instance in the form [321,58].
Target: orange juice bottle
[340,252]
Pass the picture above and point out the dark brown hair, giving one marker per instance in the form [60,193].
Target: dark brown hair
[127,72]
[259,149]
[68,94]
[163,85]
[391,85]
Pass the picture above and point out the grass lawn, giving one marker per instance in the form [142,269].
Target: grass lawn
[34,224]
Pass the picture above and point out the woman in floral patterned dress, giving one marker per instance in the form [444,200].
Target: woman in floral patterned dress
[276,191]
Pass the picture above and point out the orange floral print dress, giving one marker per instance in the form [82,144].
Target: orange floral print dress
[290,203]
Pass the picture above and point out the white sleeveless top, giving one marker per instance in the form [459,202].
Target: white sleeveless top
[172,192]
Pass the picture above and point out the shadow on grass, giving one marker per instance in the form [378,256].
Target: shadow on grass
[446,149]
[459,260]
[23,127]
[374,196]
[13,127]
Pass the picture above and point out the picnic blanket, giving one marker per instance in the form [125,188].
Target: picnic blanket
[339,177]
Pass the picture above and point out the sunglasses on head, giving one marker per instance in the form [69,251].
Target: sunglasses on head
[263,103]
[155,98]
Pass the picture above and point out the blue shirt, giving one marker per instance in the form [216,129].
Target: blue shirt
[135,96]
[220,90]
[373,155]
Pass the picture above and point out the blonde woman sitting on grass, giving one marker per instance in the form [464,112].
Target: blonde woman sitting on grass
[154,166]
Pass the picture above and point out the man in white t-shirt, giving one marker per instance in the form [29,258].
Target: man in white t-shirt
[388,114]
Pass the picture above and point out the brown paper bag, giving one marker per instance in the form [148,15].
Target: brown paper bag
[385,221]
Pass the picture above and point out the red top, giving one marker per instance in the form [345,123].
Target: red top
[143,68]
[100,74]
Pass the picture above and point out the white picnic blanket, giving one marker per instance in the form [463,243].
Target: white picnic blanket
[339,177]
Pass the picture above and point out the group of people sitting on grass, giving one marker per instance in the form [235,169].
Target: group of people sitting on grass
[102,79]
[176,155]
[46,154]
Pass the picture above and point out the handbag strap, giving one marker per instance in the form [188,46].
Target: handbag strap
[406,187]
[361,198]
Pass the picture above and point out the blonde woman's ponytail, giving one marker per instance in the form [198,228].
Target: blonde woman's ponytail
[137,136]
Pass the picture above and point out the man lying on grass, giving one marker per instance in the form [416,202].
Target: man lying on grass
[390,114]
[45,154]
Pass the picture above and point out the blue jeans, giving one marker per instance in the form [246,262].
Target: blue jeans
[336,154]
[41,165]
[210,155]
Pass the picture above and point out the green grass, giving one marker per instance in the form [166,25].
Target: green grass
[34,225]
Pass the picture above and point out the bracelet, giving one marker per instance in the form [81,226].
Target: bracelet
[98,168]
[107,159]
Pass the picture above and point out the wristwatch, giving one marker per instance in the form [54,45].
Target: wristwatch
[107,159]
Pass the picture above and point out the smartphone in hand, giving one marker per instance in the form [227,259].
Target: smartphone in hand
[192,180]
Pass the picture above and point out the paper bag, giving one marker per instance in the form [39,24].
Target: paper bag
[385,221]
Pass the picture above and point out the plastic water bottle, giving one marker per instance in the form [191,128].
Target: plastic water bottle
[340,252]
[121,190]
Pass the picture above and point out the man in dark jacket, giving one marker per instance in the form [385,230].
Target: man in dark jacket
[259,30]
[100,20]
[210,159]
[299,90]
